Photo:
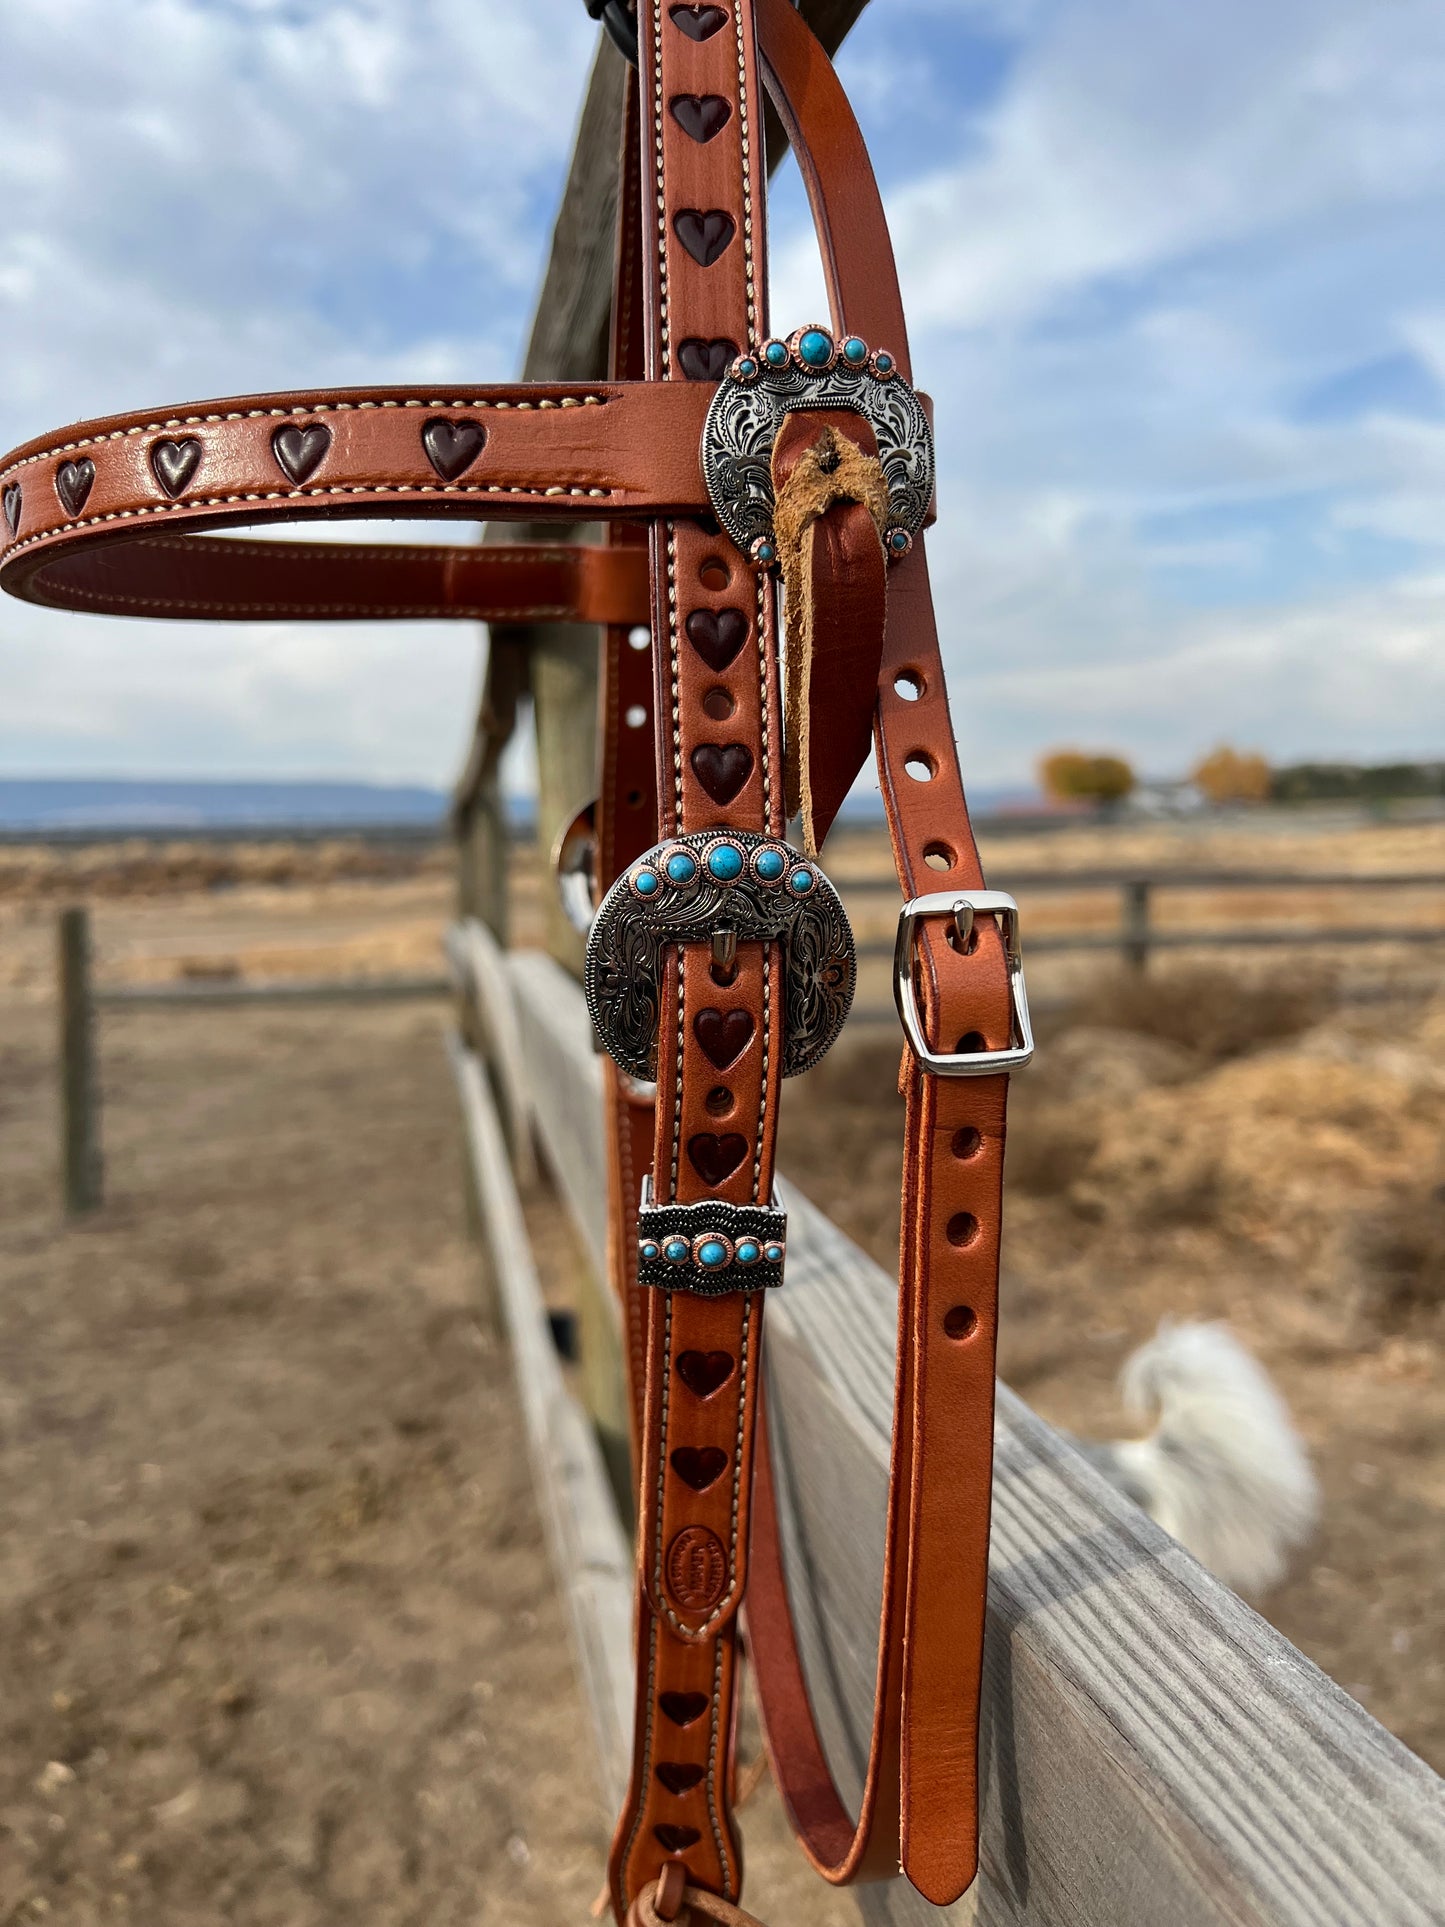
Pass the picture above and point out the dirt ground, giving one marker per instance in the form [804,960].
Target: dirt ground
[278,1643]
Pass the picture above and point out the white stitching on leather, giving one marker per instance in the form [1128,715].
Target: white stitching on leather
[674,646]
[712,1754]
[763,1094]
[426,490]
[746,147]
[300,408]
[718,1611]
[644,1778]
[657,146]
[764,708]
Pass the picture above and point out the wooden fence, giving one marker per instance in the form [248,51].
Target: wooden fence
[80,1003]
[1137,936]
[1155,1755]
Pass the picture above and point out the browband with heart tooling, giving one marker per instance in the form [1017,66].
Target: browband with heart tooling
[719,458]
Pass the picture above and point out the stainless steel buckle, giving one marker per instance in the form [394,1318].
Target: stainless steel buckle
[963,906]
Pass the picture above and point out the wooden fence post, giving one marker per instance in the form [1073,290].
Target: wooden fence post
[81,1165]
[1135,921]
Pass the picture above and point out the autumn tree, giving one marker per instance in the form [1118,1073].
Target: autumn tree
[1072,776]
[1231,776]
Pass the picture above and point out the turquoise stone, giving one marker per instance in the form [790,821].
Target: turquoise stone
[816,348]
[676,1250]
[801,882]
[649,1251]
[711,1253]
[749,1252]
[725,862]
[883,363]
[747,367]
[646,883]
[770,865]
[681,867]
[773,1254]
[855,350]
[898,541]
[764,552]
[776,354]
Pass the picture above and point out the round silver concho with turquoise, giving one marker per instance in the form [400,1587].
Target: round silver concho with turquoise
[708,884]
[811,370]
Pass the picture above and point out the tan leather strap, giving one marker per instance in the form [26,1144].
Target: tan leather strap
[225,580]
[718,739]
[567,452]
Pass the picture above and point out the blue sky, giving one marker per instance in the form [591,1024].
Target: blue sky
[1174,275]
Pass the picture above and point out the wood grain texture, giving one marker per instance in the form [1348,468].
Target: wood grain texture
[590,1553]
[1154,1754]
[480,969]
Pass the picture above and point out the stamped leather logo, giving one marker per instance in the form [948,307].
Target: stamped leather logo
[697,1569]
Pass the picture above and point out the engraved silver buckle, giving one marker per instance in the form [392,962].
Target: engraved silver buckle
[721,888]
[711,1247]
[811,369]
[963,906]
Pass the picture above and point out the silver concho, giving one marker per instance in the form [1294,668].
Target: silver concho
[732,885]
[811,370]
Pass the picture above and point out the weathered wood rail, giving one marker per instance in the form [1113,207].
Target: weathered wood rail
[1154,1752]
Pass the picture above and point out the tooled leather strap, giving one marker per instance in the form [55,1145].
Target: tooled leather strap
[919,1802]
[104,515]
[718,737]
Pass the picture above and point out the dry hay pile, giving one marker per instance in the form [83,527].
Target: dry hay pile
[1266,1113]
[41,873]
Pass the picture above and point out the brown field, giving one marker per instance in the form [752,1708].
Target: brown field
[279,1644]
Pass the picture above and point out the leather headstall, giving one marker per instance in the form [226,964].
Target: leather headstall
[747,481]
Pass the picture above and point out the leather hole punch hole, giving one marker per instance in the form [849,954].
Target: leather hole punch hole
[921,766]
[967,1143]
[960,1321]
[971,1043]
[909,685]
[634,799]
[939,856]
[723,974]
[639,637]
[714,573]
[965,946]
[962,1228]
[636,716]
[718,704]
[719,1101]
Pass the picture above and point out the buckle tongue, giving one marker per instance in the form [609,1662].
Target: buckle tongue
[964,906]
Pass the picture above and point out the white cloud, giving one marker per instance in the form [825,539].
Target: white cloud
[209,197]
[1146,236]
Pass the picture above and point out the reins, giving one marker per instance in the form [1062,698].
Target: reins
[734,469]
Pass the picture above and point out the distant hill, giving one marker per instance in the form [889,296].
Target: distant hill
[65,805]
[119,803]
